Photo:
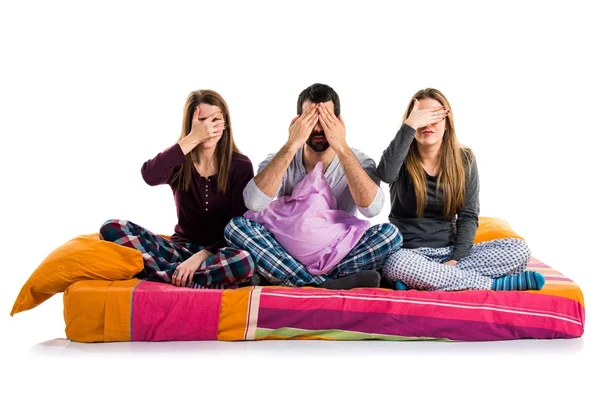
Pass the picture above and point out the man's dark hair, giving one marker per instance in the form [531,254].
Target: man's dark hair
[319,93]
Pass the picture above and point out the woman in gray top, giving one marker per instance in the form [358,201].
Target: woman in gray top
[434,188]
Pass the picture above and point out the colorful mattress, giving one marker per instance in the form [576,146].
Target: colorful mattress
[134,310]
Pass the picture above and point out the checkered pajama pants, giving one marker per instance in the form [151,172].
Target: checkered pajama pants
[161,256]
[423,268]
[280,268]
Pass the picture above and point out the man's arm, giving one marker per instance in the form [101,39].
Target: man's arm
[364,188]
[254,198]
[262,189]
[269,179]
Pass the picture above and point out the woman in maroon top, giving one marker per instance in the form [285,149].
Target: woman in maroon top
[207,175]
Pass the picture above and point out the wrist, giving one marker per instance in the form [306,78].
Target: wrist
[291,147]
[192,138]
[188,144]
[195,137]
[343,150]
[410,123]
[200,255]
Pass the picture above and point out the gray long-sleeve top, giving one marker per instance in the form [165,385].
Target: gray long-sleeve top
[432,229]
[257,200]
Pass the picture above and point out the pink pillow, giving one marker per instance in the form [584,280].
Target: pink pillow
[309,226]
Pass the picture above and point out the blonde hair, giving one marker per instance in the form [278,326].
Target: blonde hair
[454,162]
[225,147]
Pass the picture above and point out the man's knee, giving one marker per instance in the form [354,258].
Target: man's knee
[392,235]
[233,226]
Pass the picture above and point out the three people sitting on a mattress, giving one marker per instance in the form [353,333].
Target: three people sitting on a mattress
[301,228]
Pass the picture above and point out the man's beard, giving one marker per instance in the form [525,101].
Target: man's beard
[317,147]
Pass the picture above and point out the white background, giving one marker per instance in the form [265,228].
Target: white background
[91,90]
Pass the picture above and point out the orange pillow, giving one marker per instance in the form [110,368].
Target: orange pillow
[81,258]
[493,228]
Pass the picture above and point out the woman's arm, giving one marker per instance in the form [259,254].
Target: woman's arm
[393,157]
[159,169]
[468,217]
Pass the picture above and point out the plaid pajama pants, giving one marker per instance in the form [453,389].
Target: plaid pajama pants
[161,256]
[280,268]
[423,268]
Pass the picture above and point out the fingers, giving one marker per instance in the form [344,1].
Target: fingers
[217,125]
[438,110]
[186,277]
[196,118]
[176,277]
[433,115]
[309,113]
[214,115]
[213,129]
[439,114]
[325,124]
[219,129]
[313,121]
[326,116]
[309,119]
[432,122]
[210,118]
[302,125]
[182,277]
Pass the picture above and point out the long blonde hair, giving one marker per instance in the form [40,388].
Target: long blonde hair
[225,147]
[454,162]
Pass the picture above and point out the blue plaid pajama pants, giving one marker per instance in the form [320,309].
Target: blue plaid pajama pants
[424,269]
[280,268]
[223,270]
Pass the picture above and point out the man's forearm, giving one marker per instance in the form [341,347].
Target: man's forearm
[270,177]
[362,187]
